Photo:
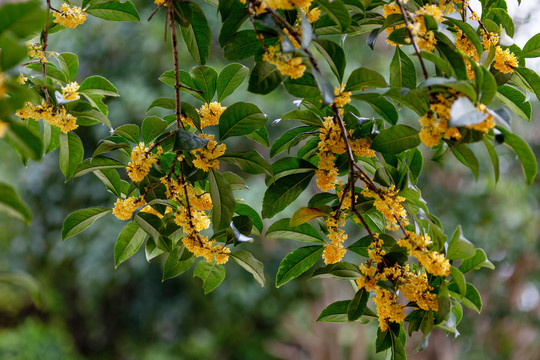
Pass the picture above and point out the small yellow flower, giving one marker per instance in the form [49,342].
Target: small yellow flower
[69,16]
[210,114]
[287,65]
[69,92]
[505,61]
[123,209]
[206,157]
[21,79]
[36,51]
[141,162]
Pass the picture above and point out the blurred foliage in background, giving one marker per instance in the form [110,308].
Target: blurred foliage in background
[84,309]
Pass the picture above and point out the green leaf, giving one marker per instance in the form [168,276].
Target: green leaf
[402,70]
[363,78]
[129,131]
[152,127]
[284,191]
[250,264]
[178,261]
[305,116]
[114,11]
[222,200]
[469,32]
[17,51]
[494,157]
[459,280]
[71,153]
[168,77]
[150,223]
[305,232]
[246,210]
[305,214]
[240,119]
[264,78]
[244,44]
[335,312]
[504,18]
[197,35]
[478,261]
[22,18]
[530,78]
[112,181]
[326,89]
[297,262]
[97,163]
[184,140]
[229,79]
[515,100]
[284,141]
[204,78]
[337,11]
[459,247]
[128,242]
[165,103]
[334,55]
[489,87]
[464,113]
[472,298]
[28,144]
[260,136]
[524,152]
[52,71]
[467,158]
[342,270]
[70,64]
[232,23]
[98,85]
[249,161]
[304,87]
[211,274]
[358,304]
[81,219]
[531,48]
[396,139]
[12,205]
[381,106]
[441,63]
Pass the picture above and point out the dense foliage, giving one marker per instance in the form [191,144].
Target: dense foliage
[347,134]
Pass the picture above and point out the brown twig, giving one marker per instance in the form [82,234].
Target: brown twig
[177,86]
[415,45]
[44,49]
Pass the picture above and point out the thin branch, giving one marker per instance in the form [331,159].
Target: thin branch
[44,49]
[415,45]
[155,11]
[177,86]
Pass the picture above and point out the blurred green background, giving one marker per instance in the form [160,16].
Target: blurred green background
[75,305]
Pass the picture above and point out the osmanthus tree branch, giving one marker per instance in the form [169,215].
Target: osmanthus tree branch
[177,86]
[404,12]
[294,34]
[44,49]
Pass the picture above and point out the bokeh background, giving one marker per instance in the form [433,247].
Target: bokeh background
[67,301]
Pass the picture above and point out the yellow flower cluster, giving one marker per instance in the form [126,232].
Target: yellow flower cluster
[36,51]
[141,161]
[123,209]
[388,203]
[360,147]
[489,40]
[3,128]
[425,39]
[21,79]
[388,10]
[206,157]
[331,143]
[341,98]
[69,16]
[57,117]
[464,44]
[334,252]
[447,6]
[209,114]
[313,14]
[69,92]
[435,122]
[505,61]
[414,286]
[434,262]
[287,65]
[193,219]
[286,4]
